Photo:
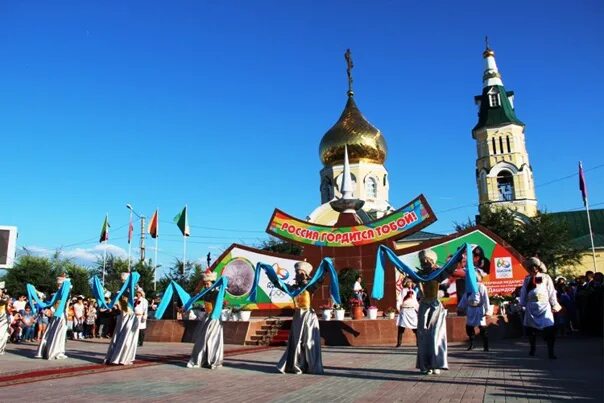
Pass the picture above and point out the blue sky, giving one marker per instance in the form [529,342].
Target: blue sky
[222,105]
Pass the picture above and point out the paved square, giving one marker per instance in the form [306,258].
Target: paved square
[352,374]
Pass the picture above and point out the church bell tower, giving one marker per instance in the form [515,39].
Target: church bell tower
[503,173]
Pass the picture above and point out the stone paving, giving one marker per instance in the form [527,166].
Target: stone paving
[353,374]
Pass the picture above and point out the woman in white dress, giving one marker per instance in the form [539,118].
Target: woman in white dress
[52,344]
[122,349]
[208,351]
[538,297]
[408,307]
[3,320]
[476,306]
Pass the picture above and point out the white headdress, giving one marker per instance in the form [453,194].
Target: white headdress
[535,262]
[303,267]
[209,276]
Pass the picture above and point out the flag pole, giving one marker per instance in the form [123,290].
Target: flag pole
[583,188]
[104,260]
[155,267]
[591,235]
[105,249]
[184,258]
[129,241]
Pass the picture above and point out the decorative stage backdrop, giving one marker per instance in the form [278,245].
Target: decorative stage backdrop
[238,263]
[498,262]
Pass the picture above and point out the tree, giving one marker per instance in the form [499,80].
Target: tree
[42,272]
[188,278]
[346,278]
[278,246]
[542,236]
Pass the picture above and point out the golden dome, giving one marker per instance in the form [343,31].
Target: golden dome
[364,141]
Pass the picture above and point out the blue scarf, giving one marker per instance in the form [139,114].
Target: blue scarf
[188,301]
[385,252]
[129,285]
[326,265]
[62,296]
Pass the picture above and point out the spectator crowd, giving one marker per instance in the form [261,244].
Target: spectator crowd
[85,320]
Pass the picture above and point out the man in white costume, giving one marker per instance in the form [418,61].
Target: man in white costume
[538,297]
[476,306]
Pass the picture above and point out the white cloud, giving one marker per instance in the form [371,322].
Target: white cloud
[83,256]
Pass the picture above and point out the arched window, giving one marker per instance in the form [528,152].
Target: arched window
[371,187]
[501,145]
[494,145]
[505,185]
[508,141]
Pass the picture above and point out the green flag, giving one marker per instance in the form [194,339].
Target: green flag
[182,222]
[105,230]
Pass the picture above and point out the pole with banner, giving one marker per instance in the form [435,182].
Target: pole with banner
[154,232]
[182,222]
[103,240]
[583,187]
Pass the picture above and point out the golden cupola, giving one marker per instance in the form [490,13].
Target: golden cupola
[365,142]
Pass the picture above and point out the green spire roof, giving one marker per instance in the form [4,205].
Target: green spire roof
[498,115]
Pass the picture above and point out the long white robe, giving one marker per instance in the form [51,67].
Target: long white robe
[303,353]
[476,306]
[122,349]
[539,302]
[208,351]
[3,332]
[432,336]
[52,345]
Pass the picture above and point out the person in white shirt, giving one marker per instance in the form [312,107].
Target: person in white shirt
[78,318]
[141,310]
[538,297]
[476,306]
[19,304]
[407,306]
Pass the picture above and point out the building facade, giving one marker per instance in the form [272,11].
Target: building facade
[504,176]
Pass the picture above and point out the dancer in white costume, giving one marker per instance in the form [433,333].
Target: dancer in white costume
[3,319]
[303,353]
[432,322]
[476,306]
[52,344]
[122,349]
[407,306]
[538,297]
[208,351]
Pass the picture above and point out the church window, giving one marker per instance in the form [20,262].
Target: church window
[493,100]
[371,188]
[501,145]
[505,186]
[507,139]
[494,145]
[386,180]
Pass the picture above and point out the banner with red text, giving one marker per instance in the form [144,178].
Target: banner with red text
[408,219]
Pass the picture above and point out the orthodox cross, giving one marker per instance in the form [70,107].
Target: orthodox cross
[349,66]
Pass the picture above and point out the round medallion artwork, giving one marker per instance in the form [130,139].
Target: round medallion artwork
[240,273]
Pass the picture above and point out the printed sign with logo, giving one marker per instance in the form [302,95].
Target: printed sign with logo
[238,264]
[499,266]
[503,267]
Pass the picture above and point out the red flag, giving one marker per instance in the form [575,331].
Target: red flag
[130,230]
[154,225]
[582,184]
